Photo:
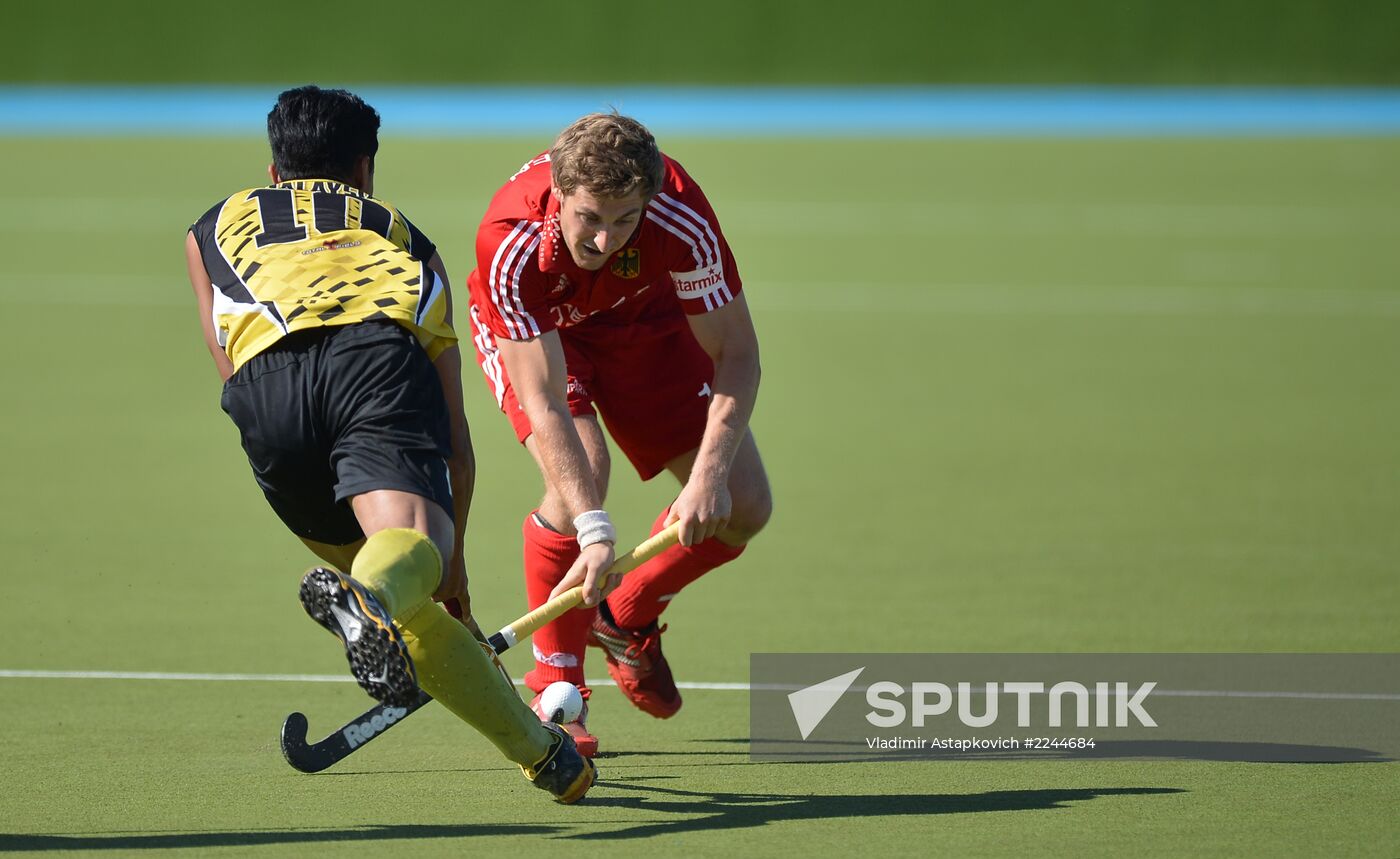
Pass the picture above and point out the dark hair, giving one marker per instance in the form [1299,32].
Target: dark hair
[321,133]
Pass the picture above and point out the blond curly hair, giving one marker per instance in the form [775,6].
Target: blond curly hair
[609,155]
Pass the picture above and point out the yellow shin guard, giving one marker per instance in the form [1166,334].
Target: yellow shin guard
[463,674]
[400,566]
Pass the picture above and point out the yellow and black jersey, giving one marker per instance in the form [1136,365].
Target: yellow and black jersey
[313,252]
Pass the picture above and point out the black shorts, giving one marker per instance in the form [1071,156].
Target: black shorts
[330,413]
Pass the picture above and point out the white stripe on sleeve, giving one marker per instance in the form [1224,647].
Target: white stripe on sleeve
[513,253]
[694,222]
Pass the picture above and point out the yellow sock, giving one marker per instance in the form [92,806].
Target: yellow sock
[400,566]
[456,669]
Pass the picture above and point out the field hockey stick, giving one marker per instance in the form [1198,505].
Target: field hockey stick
[336,747]
[511,635]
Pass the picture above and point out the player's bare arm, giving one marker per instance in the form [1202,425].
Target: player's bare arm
[727,335]
[461,466]
[204,295]
[537,370]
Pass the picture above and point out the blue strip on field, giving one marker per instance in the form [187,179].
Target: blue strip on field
[729,112]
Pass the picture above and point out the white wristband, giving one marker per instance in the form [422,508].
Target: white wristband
[594,526]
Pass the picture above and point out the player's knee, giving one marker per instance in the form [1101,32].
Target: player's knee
[751,511]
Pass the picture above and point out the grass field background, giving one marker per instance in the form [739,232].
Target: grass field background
[736,42]
[1019,395]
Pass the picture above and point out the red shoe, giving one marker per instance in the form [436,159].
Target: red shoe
[637,665]
[578,729]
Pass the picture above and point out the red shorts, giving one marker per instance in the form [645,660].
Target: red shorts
[649,380]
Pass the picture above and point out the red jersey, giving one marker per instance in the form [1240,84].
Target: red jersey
[526,283]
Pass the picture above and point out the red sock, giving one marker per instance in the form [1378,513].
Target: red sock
[558,646]
[645,592]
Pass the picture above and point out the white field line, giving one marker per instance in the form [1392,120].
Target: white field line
[20,674]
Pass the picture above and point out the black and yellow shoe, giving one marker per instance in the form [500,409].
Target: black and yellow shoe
[376,651]
[562,771]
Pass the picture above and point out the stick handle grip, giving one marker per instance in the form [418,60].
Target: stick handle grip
[527,625]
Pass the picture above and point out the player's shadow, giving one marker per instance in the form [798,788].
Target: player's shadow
[745,810]
[258,838]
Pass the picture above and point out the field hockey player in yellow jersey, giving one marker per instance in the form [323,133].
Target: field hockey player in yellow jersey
[329,318]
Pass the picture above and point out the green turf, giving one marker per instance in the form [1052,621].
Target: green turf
[731,42]
[1018,395]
